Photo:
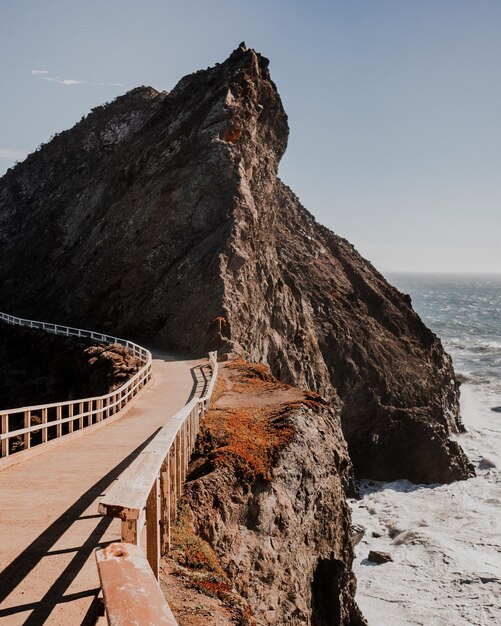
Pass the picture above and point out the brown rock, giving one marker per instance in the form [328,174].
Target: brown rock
[379,557]
[357,533]
[161,217]
[270,499]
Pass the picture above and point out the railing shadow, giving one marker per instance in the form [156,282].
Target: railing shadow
[23,564]
[201,375]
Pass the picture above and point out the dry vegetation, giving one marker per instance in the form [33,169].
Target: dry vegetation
[247,438]
[251,378]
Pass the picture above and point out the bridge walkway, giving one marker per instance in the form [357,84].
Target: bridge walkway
[49,527]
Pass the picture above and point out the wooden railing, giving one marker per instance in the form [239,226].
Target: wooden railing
[146,494]
[131,593]
[57,419]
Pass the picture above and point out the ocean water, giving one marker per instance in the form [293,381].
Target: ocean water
[445,540]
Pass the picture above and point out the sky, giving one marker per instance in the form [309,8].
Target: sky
[394,105]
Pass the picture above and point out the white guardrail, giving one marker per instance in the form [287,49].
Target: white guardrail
[57,419]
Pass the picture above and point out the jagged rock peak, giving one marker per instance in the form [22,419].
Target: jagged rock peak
[161,217]
[240,102]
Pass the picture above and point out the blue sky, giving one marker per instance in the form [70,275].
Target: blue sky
[394,105]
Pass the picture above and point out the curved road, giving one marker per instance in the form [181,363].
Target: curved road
[49,526]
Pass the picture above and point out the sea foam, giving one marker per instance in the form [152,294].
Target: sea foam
[445,540]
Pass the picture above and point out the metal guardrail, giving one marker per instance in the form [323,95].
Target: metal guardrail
[146,494]
[60,418]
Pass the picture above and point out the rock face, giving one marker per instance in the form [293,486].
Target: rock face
[161,216]
[266,490]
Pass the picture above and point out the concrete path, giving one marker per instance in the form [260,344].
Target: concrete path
[49,527]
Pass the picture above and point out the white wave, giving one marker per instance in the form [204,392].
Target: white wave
[445,540]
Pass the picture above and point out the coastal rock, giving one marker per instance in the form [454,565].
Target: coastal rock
[357,533]
[266,489]
[161,217]
[379,557]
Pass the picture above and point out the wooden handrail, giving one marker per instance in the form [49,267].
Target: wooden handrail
[146,493]
[84,411]
[130,590]
[127,496]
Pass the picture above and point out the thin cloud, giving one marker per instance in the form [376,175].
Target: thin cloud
[107,84]
[45,75]
[5,153]
[64,81]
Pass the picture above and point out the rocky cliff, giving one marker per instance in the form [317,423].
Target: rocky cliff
[266,492]
[161,216]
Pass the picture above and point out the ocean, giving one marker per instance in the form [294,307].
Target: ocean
[445,540]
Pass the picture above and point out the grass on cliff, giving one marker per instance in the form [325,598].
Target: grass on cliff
[252,378]
[249,430]
[245,429]
[248,438]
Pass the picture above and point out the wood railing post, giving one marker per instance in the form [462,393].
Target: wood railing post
[81,418]
[59,426]
[70,414]
[179,468]
[193,434]
[128,531]
[27,424]
[186,449]
[165,505]
[153,530]
[193,418]
[182,454]
[172,482]
[45,430]
[5,429]
[131,593]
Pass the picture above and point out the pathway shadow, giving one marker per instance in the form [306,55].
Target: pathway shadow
[22,565]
